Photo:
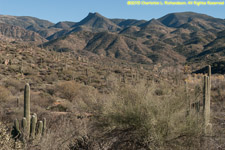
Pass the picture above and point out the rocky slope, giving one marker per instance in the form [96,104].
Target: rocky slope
[12,33]
[174,38]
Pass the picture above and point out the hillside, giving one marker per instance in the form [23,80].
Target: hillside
[97,22]
[186,37]
[12,33]
[174,38]
[178,19]
[24,21]
[79,94]
[112,84]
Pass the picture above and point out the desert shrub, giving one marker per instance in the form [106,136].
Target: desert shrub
[13,68]
[67,90]
[41,99]
[51,78]
[68,74]
[14,85]
[153,118]
[27,70]
[89,100]
[4,94]
[62,132]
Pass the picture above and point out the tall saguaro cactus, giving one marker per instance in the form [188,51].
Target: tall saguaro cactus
[28,124]
[206,101]
[209,85]
[27,106]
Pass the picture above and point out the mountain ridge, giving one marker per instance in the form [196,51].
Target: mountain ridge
[174,38]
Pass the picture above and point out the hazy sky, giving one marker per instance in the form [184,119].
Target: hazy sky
[75,10]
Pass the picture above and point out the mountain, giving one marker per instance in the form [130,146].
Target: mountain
[72,42]
[24,21]
[154,27]
[64,25]
[174,38]
[114,45]
[97,22]
[186,19]
[130,30]
[39,26]
[11,33]
[185,37]
[44,32]
[214,50]
[94,22]
[128,22]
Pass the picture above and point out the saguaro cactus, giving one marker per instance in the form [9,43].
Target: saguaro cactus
[206,101]
[209,84]
[27,106]
[28,123]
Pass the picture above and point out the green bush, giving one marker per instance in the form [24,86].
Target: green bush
[154,118]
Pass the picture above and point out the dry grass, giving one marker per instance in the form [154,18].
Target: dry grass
[67,90]
[148,114]
[4,94]
[152,119]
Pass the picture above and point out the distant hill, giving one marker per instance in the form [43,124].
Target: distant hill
[24,21]
[64,25]
[97,22]
[11,33]
[185,37]
[178,19]
[128,22]
[174,38]
[30,23]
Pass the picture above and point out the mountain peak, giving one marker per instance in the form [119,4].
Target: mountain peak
[97,21]
[95,14]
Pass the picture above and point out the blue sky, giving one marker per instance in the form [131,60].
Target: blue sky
[75,10]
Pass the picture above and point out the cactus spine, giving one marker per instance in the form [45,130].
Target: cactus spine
[27,106]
